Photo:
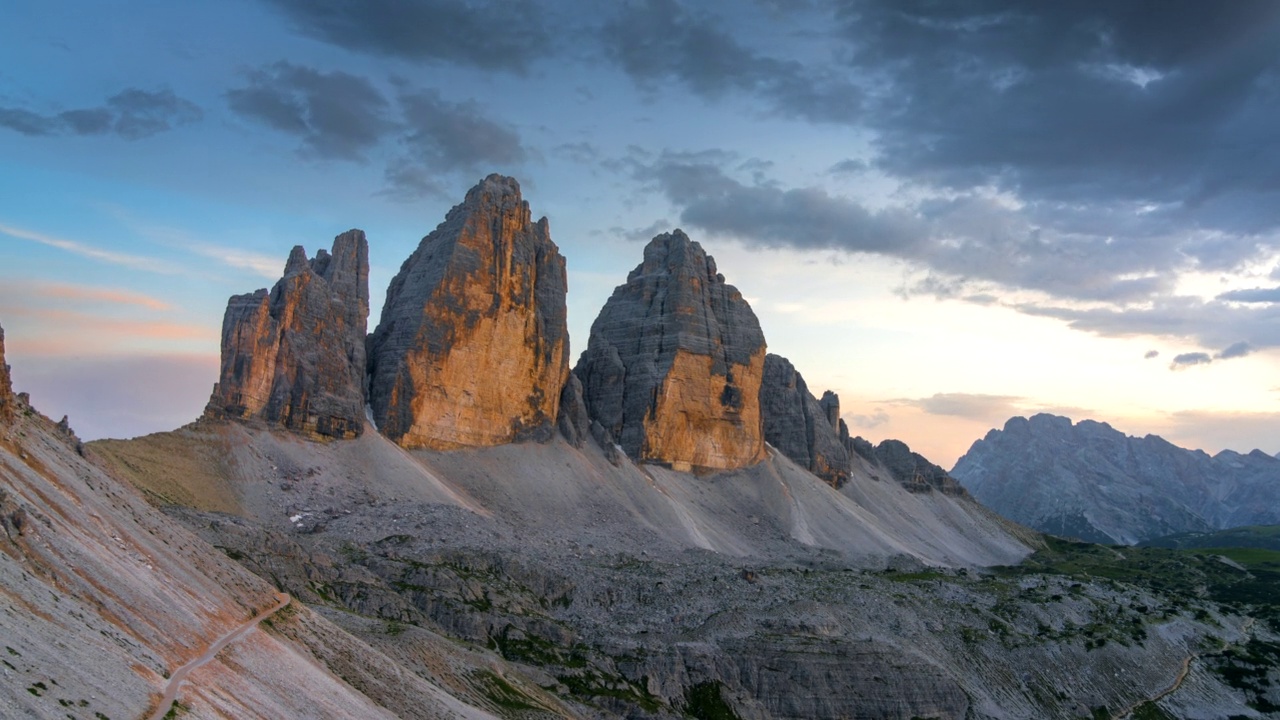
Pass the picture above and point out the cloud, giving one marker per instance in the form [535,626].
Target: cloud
[1252,295]
[1186,360]
[457,136]
[508,35]
[132,114]
[1211,323]
[1235,350]
[1079,102]
[339,116]
[26,289]
[134,262]
[962,237]
[974,406]
[656,41]
[262,265]
[335,114]
[877,418]
[1150,354]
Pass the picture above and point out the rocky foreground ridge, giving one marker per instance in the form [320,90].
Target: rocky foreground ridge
[1091,481]
[295,356]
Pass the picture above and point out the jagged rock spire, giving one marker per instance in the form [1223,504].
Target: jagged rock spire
[473,346]
[7,401]
[296,356]
[673,365]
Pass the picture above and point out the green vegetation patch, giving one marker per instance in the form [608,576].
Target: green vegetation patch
[705,701]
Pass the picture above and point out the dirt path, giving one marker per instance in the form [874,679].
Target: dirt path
[1182,674]
[179,676]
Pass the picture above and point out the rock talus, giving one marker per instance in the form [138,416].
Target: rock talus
[295,356]
[799,425]
[472,349]
[674,363]
[6,386]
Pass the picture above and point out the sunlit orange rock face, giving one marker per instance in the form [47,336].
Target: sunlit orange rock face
[472,349]
[6,386]
[674,363]
[296,356]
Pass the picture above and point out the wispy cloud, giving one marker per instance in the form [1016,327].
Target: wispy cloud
[136,262]
[265,265]
[65,291]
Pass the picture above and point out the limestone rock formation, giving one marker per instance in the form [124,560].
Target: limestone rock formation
[913,470]
[674,363]
[473,348]
[1091,481]
[296,356]
[798,425]
[7,400]
[573,420]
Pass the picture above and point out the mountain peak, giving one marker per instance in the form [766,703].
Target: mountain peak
[6,385]
[472,348]
[295,356]
[674,363]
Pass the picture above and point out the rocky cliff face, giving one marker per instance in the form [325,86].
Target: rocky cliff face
[6,386]
[1091,481]
[296,356]
[799,425]
[472,349]
[674,363]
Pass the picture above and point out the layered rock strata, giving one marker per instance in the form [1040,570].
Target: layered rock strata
[799,425]
[473,349]
[7,401]
[295,356]
[673,367]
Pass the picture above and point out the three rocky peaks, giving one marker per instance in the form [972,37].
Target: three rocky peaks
[472,350]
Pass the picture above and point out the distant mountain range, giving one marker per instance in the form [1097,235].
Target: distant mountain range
[1090,481]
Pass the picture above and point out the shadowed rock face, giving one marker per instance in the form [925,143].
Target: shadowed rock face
[673,366]
[296,356]
[798,425]
[6,386]
[473,347]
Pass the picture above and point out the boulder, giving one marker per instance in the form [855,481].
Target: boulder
[472,349]
[673,366]
[295,356]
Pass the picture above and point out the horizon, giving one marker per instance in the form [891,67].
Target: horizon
[938,214]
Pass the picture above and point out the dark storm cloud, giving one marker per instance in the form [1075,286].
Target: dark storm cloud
[334,114]
[457,136]
[1186,360]
[1162,102]
[497,35]
[132,114]
[1252,295]
[659,40]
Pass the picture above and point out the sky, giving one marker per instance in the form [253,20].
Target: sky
[949,213]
